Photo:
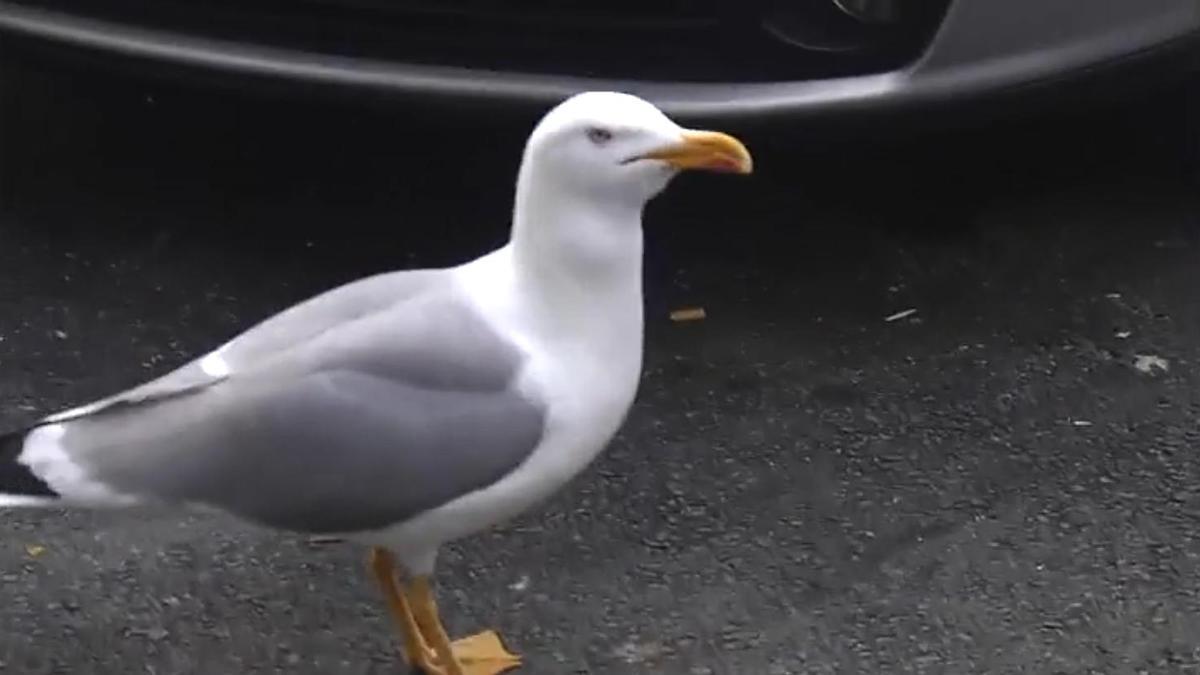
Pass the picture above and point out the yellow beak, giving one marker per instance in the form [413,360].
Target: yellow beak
[706,151]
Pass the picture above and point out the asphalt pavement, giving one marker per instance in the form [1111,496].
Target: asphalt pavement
[939,418]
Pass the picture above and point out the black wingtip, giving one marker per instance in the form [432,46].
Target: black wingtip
[15,477]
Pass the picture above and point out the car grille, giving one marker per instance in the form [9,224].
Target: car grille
[675,40]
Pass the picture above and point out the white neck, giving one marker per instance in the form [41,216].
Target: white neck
[581,258]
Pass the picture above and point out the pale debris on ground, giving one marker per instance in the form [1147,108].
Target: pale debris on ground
[1148,363]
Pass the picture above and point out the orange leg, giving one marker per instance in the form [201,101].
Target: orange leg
[481,654]
[416,650]
[426,644]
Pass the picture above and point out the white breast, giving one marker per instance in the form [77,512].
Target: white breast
[589,385]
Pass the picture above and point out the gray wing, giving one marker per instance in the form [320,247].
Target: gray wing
[367,424]
[283,332]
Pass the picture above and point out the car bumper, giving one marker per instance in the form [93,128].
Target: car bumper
[980,47]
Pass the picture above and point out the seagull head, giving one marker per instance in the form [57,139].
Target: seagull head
[590,166]
[621,149]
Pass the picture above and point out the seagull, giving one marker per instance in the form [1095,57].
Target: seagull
[409,409]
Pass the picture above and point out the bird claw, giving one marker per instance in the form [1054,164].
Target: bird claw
[482,654]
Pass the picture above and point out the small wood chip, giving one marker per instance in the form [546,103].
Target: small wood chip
[324,540]
[34,550]
[903,314]
[689,314]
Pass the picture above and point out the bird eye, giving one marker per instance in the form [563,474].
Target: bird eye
[599,136]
